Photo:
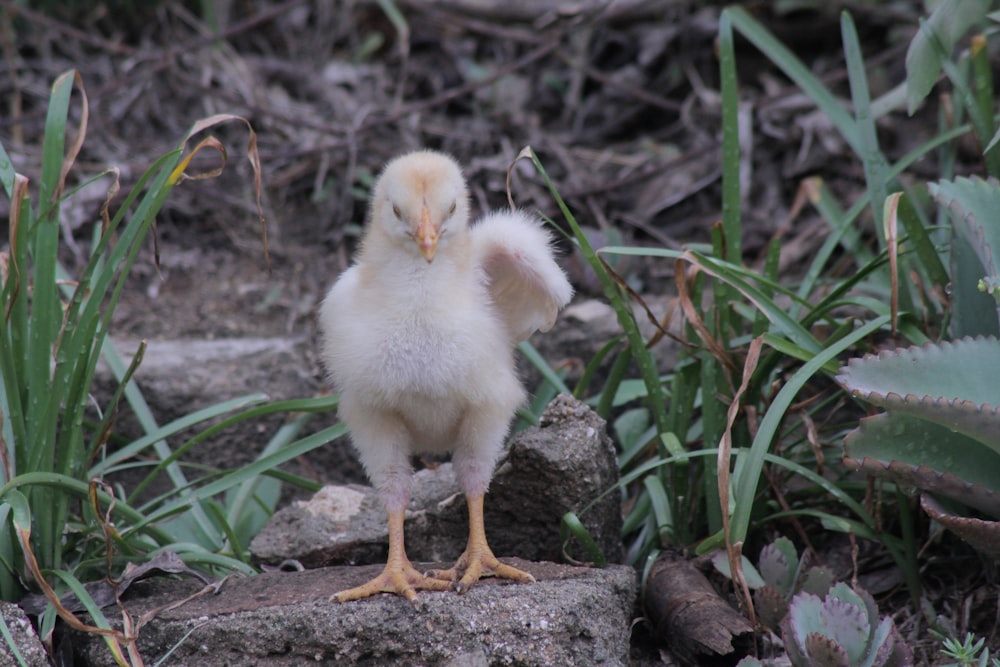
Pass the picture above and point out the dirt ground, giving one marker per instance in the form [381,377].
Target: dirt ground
[619,100]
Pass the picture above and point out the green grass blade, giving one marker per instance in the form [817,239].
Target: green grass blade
[10,569]
[870,153]
[747,479]
[134,448]
[582,385]
[936,38]
[737,277]
[244,473]
[7,172]
[174,457]
[661,508]
[615,376]
[43,406]
[981,122]
[656,397]
[10,644]
[982,89]
[731,198]
[538,361]
[146,419]
[573,527]
[917,235]
[79,489]
[242,512]
[795,70]
[713,419]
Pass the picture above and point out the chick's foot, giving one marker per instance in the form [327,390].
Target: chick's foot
[399,577]
[476,562]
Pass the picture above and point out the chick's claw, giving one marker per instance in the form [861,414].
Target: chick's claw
[399,578]
[476,564]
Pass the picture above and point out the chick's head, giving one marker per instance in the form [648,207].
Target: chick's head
[421,203]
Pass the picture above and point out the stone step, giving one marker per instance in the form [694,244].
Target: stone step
[569,616]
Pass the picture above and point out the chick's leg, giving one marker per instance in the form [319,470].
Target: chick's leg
[478,560]
[399,575]
[382,442]
[481,439]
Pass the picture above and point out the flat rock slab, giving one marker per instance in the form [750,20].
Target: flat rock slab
[27,648]
[570,616]
[562,465]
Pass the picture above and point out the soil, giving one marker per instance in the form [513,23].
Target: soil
[620,102]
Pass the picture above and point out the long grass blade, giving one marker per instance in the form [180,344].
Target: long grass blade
[747,478]
[244,473]
[795,70]
[542,366]
[870,152]
[731,198]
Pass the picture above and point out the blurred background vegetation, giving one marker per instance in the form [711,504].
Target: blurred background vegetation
[758,193]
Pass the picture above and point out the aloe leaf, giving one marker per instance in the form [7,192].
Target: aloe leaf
[753,577]
[771,606]
[949,21]
[974,313]
[918,453]
[804,618]
[847,625]
[822,651]
[974,203]
[984,536]
[951,383]
[842,591]
[779,564]
[882,644]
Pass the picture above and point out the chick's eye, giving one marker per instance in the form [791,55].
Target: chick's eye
[396,212]
[451,209]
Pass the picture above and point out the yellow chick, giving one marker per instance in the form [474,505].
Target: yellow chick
[419,337]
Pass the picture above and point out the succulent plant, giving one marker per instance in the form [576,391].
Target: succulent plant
[940,432]
[842,629]
[776,578]
[975,253]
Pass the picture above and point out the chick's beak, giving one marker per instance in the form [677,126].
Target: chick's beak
[427,235]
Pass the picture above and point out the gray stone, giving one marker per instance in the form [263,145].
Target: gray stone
[570,616]
[27,649]
[182,376]
[560,466]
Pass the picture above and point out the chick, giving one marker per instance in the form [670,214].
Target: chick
[418,339]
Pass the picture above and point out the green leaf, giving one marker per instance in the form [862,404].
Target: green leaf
[975,252]
[747,475]
[538,361]
[731,197]
[661,508]
[871,154]
[797,71]
[752,576]
[922,454]
[950,20]
[953,384]
[247,472]
[20,510]
[779,564]
[10,643]
[572,526]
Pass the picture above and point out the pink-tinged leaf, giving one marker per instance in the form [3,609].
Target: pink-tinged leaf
[984,536]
